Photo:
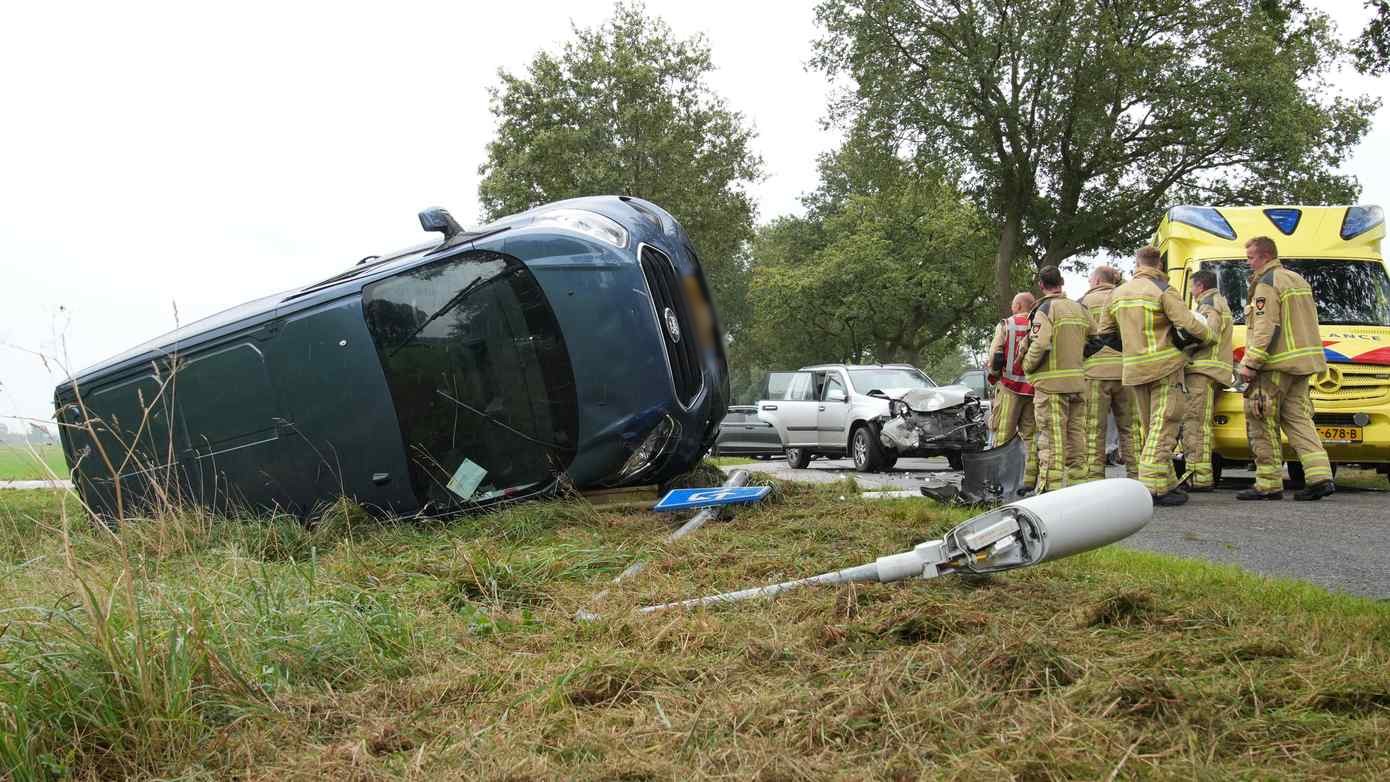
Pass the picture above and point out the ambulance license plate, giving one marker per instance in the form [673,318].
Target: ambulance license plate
[1340,434]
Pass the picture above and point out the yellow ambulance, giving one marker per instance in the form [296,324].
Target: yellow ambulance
[1337,250]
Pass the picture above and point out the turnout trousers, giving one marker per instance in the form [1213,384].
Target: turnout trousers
[1012,414]
[1277,401]
[1104,397]
[1060,419]
[1159,407]
[1196,429]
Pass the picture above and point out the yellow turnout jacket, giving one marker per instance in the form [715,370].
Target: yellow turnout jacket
[1145,309]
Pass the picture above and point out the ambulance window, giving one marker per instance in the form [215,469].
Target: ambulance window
[1348,293]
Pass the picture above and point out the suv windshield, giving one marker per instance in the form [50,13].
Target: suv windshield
[866,380]
[1348,293]
[479,374]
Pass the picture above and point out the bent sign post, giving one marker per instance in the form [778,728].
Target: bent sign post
[682,499]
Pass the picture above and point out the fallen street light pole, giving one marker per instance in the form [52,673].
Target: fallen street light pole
[1021,534]
[736,479]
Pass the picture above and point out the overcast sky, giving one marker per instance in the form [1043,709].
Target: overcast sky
[197,155]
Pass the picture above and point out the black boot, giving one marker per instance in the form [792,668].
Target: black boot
[1256,494]
[1315,491]
[1171,499]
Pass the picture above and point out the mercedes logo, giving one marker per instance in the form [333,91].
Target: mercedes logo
[1329,381]
[673,324]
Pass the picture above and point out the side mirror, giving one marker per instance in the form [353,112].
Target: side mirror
[439,220]
[836,396]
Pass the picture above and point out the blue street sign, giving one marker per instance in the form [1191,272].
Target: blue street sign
[680,499]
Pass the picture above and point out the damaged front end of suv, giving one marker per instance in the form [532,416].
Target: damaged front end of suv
[942,421]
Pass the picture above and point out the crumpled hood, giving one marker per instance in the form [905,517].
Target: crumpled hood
[928,400]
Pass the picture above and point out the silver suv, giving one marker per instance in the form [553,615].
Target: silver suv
[874,413]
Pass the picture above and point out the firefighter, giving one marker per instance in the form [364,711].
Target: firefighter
[1052,363]
[1208,370]
[1283,350]
[1145,309]
[1012,412]
[1105,393]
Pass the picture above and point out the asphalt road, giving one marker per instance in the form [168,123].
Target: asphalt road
[1341,543]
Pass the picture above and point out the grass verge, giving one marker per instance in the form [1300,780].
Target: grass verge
[253,648]
[18,463]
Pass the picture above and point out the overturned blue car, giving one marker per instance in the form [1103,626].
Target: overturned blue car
[574,344]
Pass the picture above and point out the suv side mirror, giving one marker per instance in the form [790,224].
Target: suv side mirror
[836,395]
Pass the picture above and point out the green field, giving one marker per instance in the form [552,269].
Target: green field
[19,463]
[254,649]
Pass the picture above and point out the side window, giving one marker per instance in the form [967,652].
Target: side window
[834,388]
[801,387]
[1231,280]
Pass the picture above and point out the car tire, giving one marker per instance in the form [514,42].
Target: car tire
[956,459]
[867,454]
[798,458]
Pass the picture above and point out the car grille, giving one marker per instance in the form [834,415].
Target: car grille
[682,354]
[1334,419]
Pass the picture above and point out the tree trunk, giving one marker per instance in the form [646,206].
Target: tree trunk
[1004,261]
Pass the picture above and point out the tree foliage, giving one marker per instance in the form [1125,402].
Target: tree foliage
[1075,121]
[625,108]
[890,263]
[1372,46]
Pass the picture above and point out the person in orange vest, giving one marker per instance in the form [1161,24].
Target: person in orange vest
[1056,340]
[1283,350]
[1012,412]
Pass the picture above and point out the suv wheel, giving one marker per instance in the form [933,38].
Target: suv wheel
[868,455]
[798,458]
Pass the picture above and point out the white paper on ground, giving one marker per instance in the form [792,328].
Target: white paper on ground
[466,479]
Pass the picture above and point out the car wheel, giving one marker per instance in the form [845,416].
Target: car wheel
[798,458]
[956,460]
[868,456]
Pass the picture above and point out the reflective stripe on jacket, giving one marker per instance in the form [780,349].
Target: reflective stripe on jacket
[1106,363]
[1055,345]
[1214,360]
[1281,323]
[1006,352]
[1145,309]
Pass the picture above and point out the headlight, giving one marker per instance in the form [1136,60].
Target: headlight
[591,224]
[897,407]
[651,449]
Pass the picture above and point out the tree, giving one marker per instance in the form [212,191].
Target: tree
[625,108]
[1075,121]
[1372,47]
[889,264]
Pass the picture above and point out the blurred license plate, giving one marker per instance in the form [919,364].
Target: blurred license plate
[1340,434]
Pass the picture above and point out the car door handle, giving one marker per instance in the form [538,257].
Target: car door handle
[769,407]
[821,408]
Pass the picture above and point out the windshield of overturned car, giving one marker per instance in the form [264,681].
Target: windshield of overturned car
[479,374]
[866,380]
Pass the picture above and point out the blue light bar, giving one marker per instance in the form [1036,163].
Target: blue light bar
[1203,217]
[1360,219]
[1286,220]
